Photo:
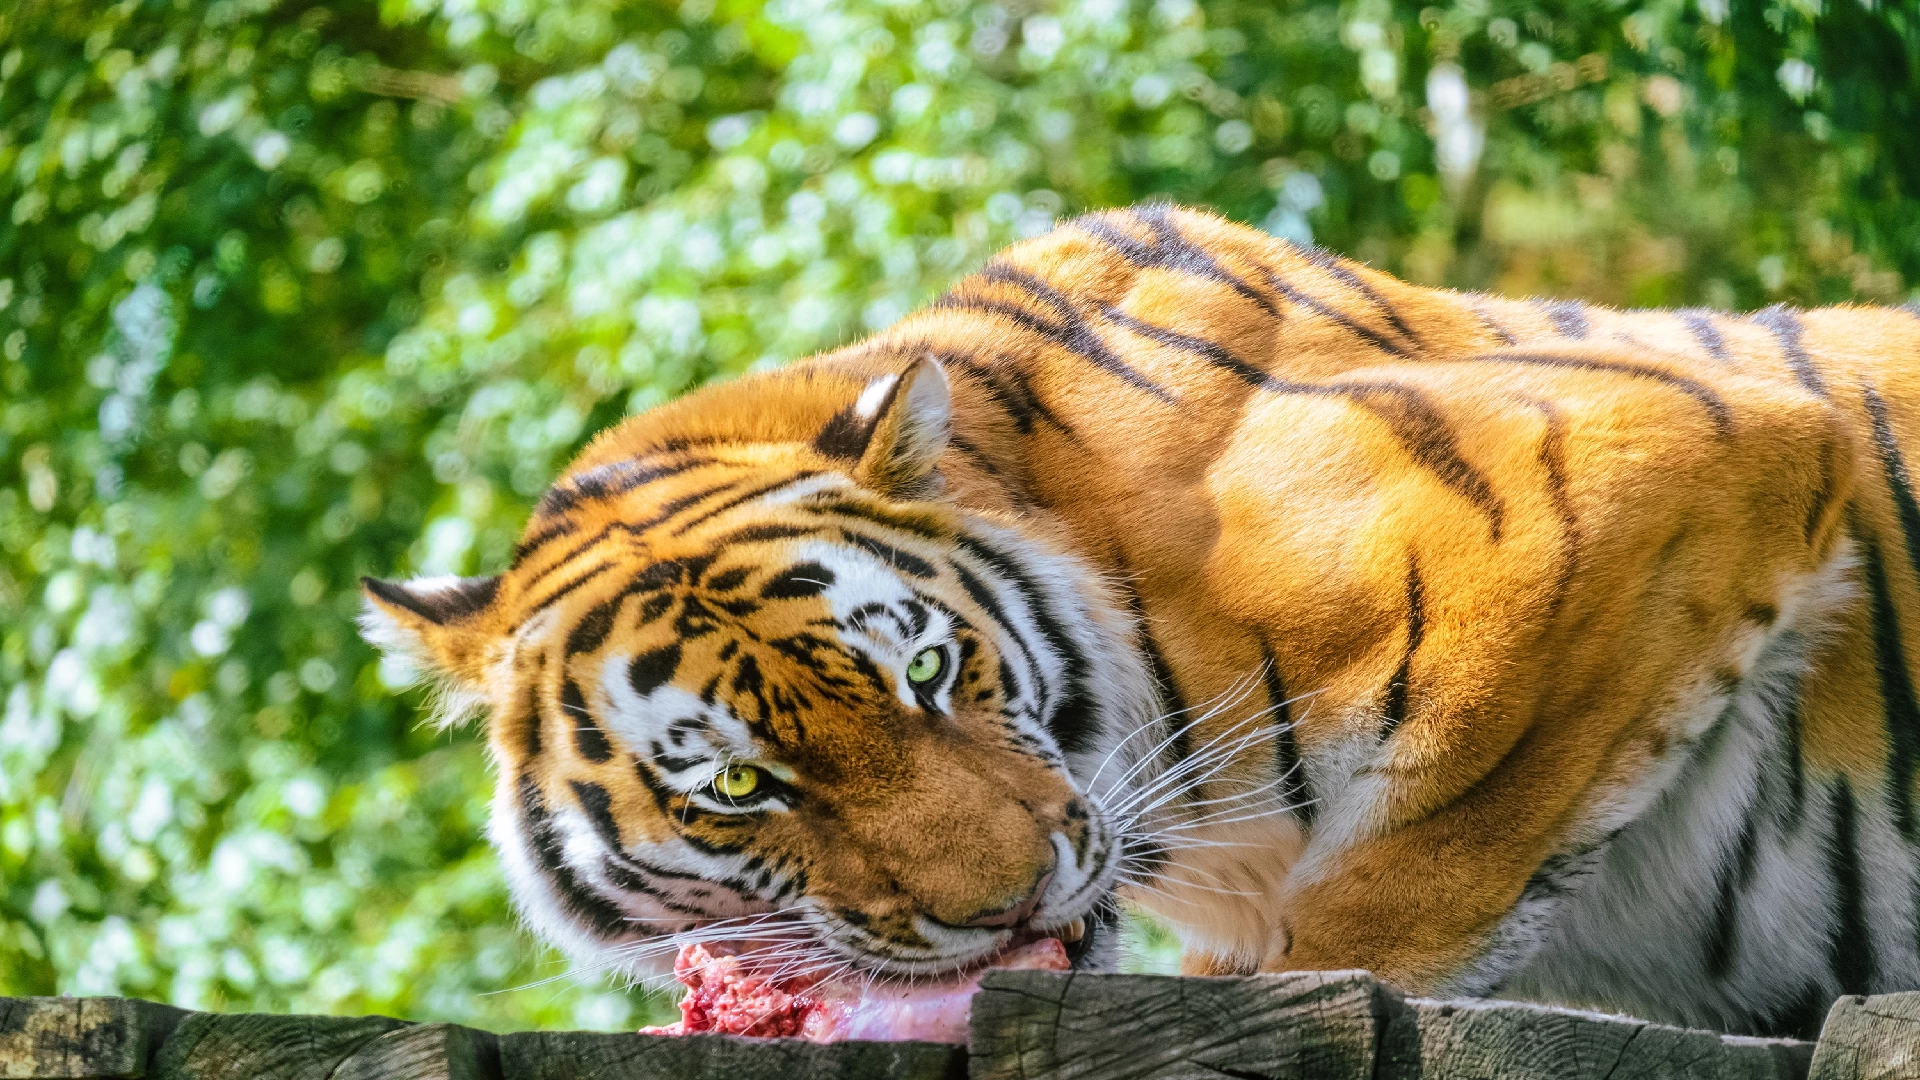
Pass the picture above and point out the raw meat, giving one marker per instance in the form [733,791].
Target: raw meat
[724,996]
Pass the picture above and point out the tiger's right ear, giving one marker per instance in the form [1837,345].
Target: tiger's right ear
[444,628]
[895,432]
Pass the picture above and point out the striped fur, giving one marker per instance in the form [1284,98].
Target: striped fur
[1493,645]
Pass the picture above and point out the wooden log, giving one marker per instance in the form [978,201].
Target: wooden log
[1311,1025]
[62,1038]
[256,1046]
[425,1052]
[581,1055]
[1870,1038]
[1475,1040]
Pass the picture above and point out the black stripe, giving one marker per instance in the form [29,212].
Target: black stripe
[1009,388]
[755,534]
[666,512]
[1017,409]
[1796,765]
[579,901]
[764,489]
[1210,351]
[532,717]
[1899,711]
[1296,788]
[591,631]
[1902,715]
[976,455]
[1800,1018]
[1506,336]
[613,478]
[1172,704]
[1405,411]
[989,603]
[1822,495]
[1700,323]
[624,873]
[651,670]
[1716,408]
[912,522]
[797,582]
[1313,304]
[1736,874]
[1899,483]
[1346,275]
[846,434]
[598,806]
[1569,317]
[1073,729]
[1553,460]
[1394,710]
[1072,333]
[1168,250]
[534,541]
[587,736]
[1784,322]
[556,595]
[748,682]
[892,556]
[1849,948]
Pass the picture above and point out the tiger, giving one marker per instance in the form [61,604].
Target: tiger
[1500,647]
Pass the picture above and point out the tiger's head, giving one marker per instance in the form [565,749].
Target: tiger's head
[751,668]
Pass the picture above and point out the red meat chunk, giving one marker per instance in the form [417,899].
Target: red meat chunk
[724,996]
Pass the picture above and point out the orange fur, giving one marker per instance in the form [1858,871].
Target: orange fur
[1520,555]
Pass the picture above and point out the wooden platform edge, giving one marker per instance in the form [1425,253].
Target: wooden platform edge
[1026,1026]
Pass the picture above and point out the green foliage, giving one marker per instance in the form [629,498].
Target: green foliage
[292,292]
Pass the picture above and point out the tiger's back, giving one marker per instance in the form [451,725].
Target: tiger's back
[1617,601]
[1492,645]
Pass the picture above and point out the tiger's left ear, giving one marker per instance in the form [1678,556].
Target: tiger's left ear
[895,431]
[444,627]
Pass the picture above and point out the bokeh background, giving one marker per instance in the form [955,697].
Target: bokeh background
[292,292]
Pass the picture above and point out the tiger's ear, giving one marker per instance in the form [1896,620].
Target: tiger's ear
[895,431]
[444,628]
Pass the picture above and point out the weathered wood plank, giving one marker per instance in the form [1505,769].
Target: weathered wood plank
[580,1055]
[1870,1038]
[425,1052]
[260,1047]
[61,1038]
[1311,1025]
[1473,1040]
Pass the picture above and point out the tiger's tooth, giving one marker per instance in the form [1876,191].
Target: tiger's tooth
[1074,931]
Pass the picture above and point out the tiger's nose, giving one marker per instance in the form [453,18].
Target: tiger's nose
[1016,913]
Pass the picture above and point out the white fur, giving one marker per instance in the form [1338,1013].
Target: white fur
[451,701]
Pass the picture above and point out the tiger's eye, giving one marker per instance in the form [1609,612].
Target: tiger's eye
[926,666]
[738,782]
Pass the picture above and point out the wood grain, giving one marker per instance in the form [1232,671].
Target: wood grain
[260,1047]
[1472,1040]
[1870,1038]
[425,1052]
[580,1055]
[1311,1025]
[1027,1025]
[53,1038]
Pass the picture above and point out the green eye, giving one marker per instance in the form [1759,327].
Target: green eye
[926,666]
[738,782]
